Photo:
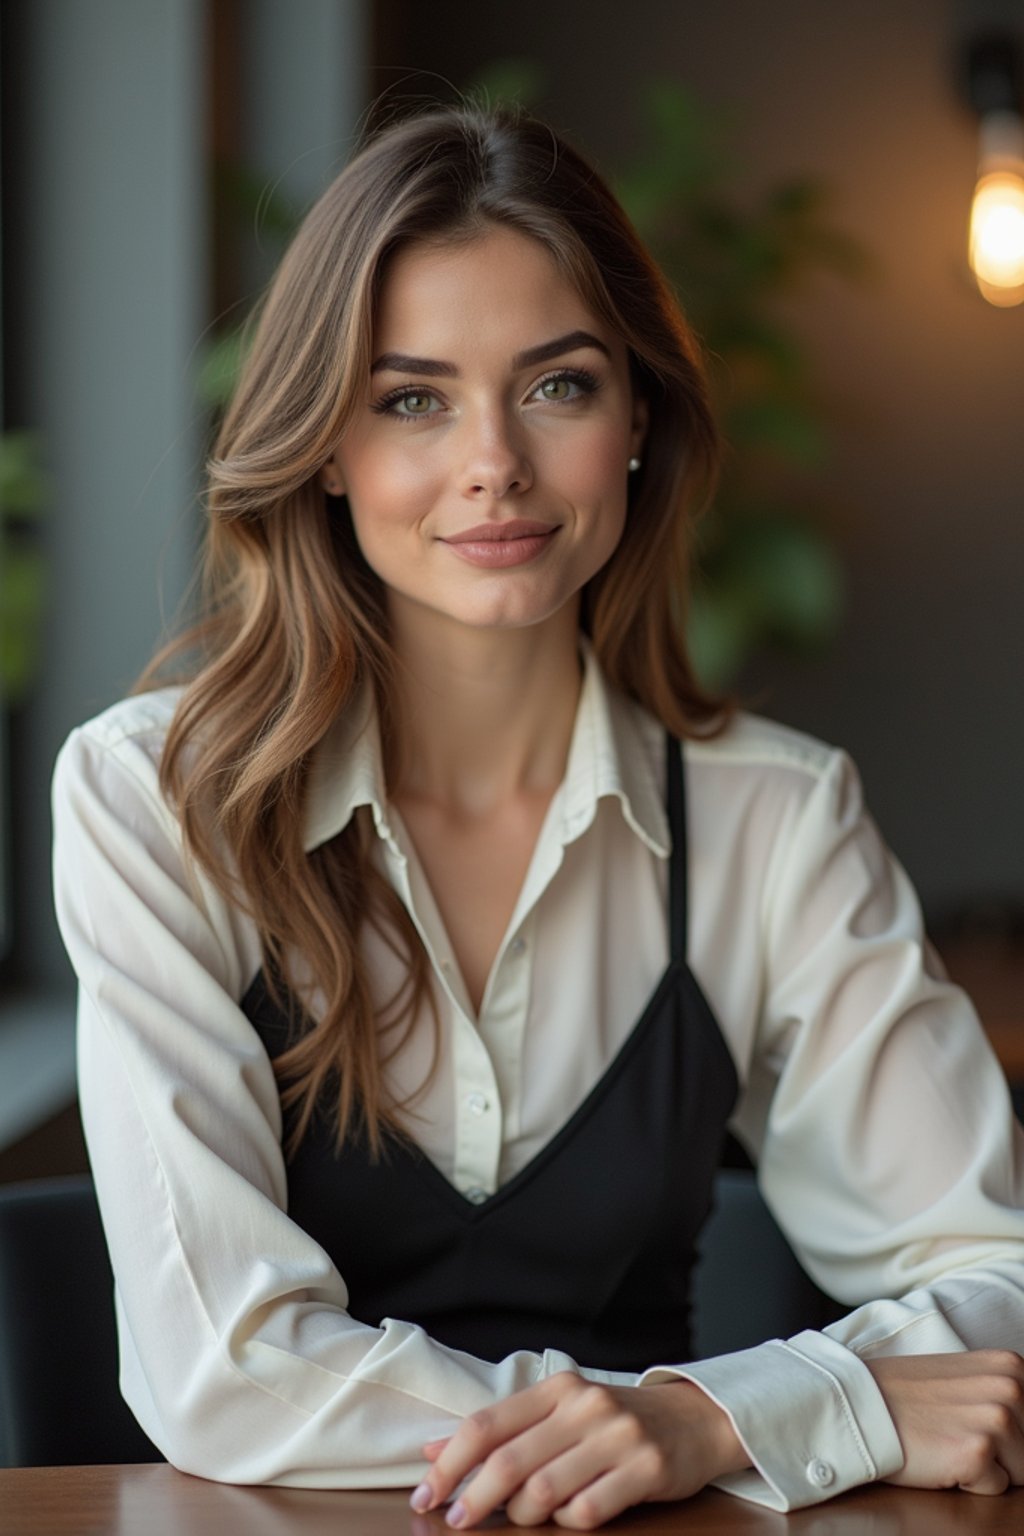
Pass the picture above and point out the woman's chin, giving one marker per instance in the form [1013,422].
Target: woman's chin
[505,612]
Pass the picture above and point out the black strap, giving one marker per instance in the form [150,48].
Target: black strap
[677,912]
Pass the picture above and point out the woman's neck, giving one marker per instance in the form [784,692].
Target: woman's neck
[484,716]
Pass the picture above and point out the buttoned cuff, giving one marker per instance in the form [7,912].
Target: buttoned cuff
[809,1416]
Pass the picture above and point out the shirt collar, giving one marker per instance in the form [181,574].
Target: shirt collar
[616,752]
[347,772]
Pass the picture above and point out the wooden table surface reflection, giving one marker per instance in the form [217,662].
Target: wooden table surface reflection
[157,1501]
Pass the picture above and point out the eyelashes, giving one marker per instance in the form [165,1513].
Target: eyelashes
[385,406]
[581,379]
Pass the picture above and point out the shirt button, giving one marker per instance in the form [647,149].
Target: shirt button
[517,947]
[476,1103]
[820,1473]
[476,1195]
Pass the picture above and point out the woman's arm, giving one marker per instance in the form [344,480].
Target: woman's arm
[238,1356]
[888,1151]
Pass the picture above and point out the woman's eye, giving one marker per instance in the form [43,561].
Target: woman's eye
[407,404]
[556,389]
[562,387]
[414,403]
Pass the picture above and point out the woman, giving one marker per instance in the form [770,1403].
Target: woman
[403,1067]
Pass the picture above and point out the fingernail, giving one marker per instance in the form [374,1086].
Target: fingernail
[421,1497]
[457,1515]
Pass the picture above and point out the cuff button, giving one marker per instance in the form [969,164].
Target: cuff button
[820,1473]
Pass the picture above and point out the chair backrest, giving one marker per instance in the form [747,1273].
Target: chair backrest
[749,1285]
[59,1399]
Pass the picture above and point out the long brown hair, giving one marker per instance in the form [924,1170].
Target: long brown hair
[294,628]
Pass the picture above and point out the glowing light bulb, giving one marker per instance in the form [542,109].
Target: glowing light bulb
[997,237]
[996,242]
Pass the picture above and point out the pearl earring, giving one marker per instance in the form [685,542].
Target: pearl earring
[634,465]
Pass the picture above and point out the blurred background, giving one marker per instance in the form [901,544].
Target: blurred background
[804,171]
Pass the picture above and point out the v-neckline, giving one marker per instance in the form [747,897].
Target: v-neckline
[476,1210]
[431,925]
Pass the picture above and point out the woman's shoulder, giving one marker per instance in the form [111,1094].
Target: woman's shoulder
[121,865]
[141,716]
[753,741]
[127,738]
[767,775]
[783,813]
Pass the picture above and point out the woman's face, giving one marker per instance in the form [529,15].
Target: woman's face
[487,470]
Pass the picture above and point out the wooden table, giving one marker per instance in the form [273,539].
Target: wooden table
[157,1501]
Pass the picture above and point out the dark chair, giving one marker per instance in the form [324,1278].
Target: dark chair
[748,1285]
[59,1399]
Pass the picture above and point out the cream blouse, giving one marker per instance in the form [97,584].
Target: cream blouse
[870,1100]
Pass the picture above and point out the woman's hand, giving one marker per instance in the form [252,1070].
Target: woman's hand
[578,1453]
[960,1418]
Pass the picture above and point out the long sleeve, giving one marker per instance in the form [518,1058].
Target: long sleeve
[238,1356]
[886,1148]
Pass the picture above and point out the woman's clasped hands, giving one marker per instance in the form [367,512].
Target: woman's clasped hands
[578,1453]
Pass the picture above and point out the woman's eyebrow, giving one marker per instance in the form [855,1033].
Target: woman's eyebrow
[549,349]
[402,362]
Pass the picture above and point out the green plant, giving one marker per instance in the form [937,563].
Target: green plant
[767,565]
[24,496]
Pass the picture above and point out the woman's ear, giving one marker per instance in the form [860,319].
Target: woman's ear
[641,421]
[330,478]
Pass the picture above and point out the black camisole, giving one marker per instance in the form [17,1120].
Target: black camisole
[590,1247]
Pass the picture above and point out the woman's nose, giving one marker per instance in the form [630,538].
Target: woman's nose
[496,462]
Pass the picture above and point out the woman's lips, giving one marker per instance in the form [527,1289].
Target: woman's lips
[502,544]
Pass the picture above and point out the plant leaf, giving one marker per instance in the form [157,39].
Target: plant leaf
[221,364]
[22,589]
[24,487]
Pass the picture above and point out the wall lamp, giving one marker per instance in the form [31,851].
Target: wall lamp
[996,240]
